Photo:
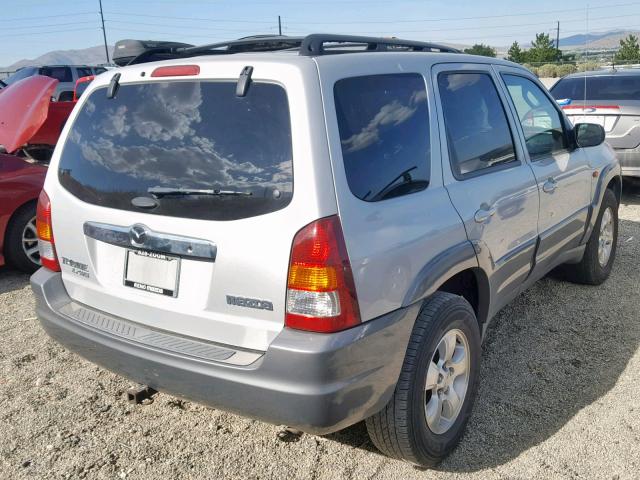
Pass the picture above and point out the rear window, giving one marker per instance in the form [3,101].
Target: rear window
[225,157]
[606,87]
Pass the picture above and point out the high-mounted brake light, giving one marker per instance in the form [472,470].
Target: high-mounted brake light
[176,71]
[47,246]
[321,294]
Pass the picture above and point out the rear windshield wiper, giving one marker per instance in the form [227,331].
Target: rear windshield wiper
[162,191]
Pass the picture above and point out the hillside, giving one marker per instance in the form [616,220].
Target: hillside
[90,56]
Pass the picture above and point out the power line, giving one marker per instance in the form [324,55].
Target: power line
[46,33]
[49,25]
[190,27]
[17,19]
[200,19]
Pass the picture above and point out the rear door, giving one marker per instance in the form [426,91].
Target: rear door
[487,175]
[173,203]
[562,171]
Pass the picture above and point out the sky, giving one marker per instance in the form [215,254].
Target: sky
[29,28]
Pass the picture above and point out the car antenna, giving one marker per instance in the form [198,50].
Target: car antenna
[243,81]
[113,86]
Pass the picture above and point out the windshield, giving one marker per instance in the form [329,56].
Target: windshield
[187,135]
[604,87]
[20,74]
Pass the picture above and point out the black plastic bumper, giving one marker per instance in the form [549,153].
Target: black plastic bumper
[317,383]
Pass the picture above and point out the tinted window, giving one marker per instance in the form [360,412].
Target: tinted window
[84,72]
[477,128]
[20,74]
[538,116]
[189,135]
[384,131]
[62,74]
[100,70]
[605,87]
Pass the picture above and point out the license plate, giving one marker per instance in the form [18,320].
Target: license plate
[152,272]
[597,119]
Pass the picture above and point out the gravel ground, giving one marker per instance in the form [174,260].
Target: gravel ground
[559,398]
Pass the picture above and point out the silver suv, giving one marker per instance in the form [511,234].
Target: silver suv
[610,98]
[316,231]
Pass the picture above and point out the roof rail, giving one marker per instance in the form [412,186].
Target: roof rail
[314,44]
[255,43]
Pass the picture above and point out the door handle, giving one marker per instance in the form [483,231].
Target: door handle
[484,214]
[549,186]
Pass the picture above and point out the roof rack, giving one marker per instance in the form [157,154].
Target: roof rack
[312,45]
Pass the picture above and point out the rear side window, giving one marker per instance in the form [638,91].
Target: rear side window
[605,87]
[540,119]
[384,133]
[195,147]
[62,74]
[478,132]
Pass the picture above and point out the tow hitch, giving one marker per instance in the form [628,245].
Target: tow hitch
[139,393]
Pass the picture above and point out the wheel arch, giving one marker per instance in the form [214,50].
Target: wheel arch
[457,271]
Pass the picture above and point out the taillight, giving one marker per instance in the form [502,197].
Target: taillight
[321,295]
[48,256]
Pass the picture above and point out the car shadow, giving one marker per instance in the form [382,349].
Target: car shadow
[631,191]
[556,349]
[11,280]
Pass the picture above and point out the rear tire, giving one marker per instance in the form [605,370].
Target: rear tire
[21,239]
[600,253]
[410,427]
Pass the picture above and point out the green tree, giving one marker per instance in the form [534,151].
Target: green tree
[481,49]
[543,50]
[629,50]
[516,54]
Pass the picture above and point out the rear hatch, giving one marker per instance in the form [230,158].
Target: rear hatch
[612,101]
[173,205]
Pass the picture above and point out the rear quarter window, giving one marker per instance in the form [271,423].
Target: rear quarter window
[189,135]
[384,134]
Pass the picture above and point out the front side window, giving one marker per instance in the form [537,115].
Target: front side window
[194,146]
[477,127]
[540,120]
[384,132]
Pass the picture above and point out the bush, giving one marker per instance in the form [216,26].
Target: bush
[587,66]
[565,69]
[531,68]
[548,70]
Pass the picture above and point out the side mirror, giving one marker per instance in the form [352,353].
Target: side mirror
[589,134]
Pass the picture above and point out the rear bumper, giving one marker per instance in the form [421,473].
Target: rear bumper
[629,161]
[318,383]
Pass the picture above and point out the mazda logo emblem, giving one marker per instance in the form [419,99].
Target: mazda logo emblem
[138,234]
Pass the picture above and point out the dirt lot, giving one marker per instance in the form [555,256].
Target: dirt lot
[559,398]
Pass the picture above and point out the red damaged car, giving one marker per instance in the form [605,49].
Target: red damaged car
[30,124]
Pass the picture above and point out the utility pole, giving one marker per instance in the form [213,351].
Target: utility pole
[104,32]
[558,41]
[279,26]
